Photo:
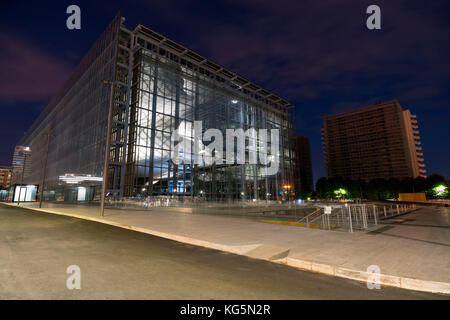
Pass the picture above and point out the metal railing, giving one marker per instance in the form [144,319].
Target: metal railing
[311,217]
[353,217]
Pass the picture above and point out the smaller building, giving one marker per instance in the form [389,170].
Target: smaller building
[5,177]
[18,169]
[303,176]
[5,182]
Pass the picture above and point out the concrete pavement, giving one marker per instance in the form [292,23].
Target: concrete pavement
[410,255]
[36,248]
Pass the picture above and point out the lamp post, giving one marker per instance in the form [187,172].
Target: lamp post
[26,150]
[287,188]
[111,84]
[44,171]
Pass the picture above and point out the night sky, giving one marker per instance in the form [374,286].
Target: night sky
[318,54]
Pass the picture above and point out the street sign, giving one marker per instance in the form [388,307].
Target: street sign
[327,210]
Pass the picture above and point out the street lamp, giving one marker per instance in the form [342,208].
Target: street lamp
[44,171]
[26,151]
[111,84]
[286,191]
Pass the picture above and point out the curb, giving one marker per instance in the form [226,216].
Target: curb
[363,276]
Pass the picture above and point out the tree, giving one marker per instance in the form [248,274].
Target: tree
[440,191]
[360,187]
[407,185]
[323,189]
[393,188]
[435,186]
[420,184]
[432,182]
[377,189]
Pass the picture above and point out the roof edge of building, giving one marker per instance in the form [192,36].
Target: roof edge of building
[194,57]
[363,109]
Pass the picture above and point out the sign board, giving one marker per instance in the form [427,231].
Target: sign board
[412,197]
[327,210]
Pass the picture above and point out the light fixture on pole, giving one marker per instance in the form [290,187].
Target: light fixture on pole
[25,153]
[44,170]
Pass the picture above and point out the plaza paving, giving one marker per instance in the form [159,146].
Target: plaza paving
[412,251]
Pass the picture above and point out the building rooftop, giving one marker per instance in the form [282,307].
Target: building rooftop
[217,71]
[363,109]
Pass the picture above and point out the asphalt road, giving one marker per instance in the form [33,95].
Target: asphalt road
[36,249]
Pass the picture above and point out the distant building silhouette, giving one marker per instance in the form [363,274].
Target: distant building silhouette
[19,170]
[303,177]
[377,141]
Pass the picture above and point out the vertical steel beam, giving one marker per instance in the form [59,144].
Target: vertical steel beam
[107,148]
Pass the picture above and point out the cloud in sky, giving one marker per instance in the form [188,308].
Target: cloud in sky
[28,72]
[302,50]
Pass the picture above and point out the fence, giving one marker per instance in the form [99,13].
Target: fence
[353,217]
[285,211]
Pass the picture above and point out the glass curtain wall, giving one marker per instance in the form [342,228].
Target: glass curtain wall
[154,95]
[166,97]
[67,140]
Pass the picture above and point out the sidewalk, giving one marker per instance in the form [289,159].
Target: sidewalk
[412,251]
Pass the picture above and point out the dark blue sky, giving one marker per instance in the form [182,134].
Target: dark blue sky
[317,54]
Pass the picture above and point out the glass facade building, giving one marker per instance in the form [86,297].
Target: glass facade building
[159,87]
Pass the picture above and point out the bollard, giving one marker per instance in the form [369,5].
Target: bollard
[350,219]
[361,210]
[364,217]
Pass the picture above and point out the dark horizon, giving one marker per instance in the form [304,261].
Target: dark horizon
[319,56]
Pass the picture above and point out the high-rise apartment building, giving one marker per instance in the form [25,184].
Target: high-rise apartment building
[156,86]
[377,141]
